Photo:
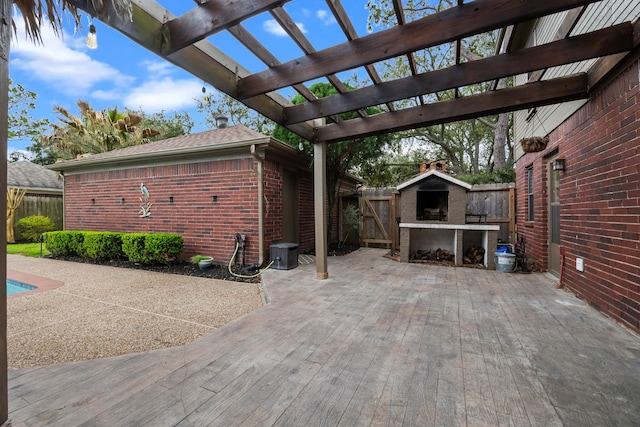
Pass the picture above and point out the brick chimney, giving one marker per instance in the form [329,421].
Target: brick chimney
[439,166]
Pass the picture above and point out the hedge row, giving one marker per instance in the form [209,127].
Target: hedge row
[146,248]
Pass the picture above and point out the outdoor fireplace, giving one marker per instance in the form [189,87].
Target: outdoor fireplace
[433,221]
[432,205]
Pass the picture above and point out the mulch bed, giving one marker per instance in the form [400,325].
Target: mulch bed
[185,268]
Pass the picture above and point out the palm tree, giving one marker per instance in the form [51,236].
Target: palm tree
[35,12]
[95,131]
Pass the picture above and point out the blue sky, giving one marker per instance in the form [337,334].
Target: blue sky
[120,73]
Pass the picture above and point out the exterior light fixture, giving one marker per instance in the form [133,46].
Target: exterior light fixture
[214,198]
[559,164]
[170,199]
[121,199]
[93,201]
[92,39]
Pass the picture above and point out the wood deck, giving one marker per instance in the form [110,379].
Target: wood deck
[378,343]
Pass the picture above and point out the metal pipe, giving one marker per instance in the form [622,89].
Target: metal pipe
[259,159]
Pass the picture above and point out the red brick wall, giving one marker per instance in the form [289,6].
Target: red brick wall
[600,200]
[307,228]
[207,226]
[272,173]
[533,233]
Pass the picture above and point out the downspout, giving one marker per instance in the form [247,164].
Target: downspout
[260,205]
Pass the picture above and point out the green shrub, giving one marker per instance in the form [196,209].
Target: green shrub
[102,245]
[67,243]
[31,227]
[133,247]
[163,248]
[152,248]
[137,247]
[350,224]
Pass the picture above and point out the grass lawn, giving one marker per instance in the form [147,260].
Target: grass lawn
[28,249]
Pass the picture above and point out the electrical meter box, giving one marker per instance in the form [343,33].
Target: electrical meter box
[284,256]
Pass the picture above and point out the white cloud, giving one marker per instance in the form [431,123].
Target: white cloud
[158,68]
[63,66]
[56,63]
[271,26]
[326,17]
[164,94]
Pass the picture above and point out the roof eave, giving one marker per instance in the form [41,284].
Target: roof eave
[177,153]
[437,173]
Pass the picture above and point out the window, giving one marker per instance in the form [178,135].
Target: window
[529,171]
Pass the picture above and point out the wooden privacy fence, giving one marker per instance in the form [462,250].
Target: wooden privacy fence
[41,204]
[497,201]
[487,203]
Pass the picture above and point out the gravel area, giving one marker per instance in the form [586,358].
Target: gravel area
[105,311]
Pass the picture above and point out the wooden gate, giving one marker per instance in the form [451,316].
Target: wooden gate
[379,224]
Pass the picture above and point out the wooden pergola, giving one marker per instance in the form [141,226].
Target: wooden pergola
[183,41]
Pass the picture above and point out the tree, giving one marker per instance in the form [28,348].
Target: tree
[466,146]
[399,163]
[342,157]
[220,104]
[20,123]
[95,131]
[168,125]
[41,154]
[21,102]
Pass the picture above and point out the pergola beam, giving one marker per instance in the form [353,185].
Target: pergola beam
[444,27]
[202,59]
[515,98]
[608,41]
[208,18]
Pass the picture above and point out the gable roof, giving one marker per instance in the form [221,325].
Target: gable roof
[24,174]
[433,172]
[201,146]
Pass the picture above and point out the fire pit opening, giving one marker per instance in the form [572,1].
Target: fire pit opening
[432,205]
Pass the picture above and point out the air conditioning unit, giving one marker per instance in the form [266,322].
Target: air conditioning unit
[284,256]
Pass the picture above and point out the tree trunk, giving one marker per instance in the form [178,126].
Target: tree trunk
[500,135]
[14,200]
[500,141]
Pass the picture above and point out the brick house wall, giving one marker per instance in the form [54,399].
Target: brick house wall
[307,223]
[273,223]
[600,199]
[183,203]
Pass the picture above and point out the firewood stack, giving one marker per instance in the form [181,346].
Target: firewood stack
[474,255]
[433,255]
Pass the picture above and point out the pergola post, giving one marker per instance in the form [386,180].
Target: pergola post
[320,207]
[5,37]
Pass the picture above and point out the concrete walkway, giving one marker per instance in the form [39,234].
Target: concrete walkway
[378,343]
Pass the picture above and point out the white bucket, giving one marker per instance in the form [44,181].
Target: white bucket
[505,262]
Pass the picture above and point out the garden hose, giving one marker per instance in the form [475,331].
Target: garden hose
[235,252]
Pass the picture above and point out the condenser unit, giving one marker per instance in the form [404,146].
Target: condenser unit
[284,256]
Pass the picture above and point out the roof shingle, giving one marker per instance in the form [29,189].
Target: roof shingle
[29,175]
